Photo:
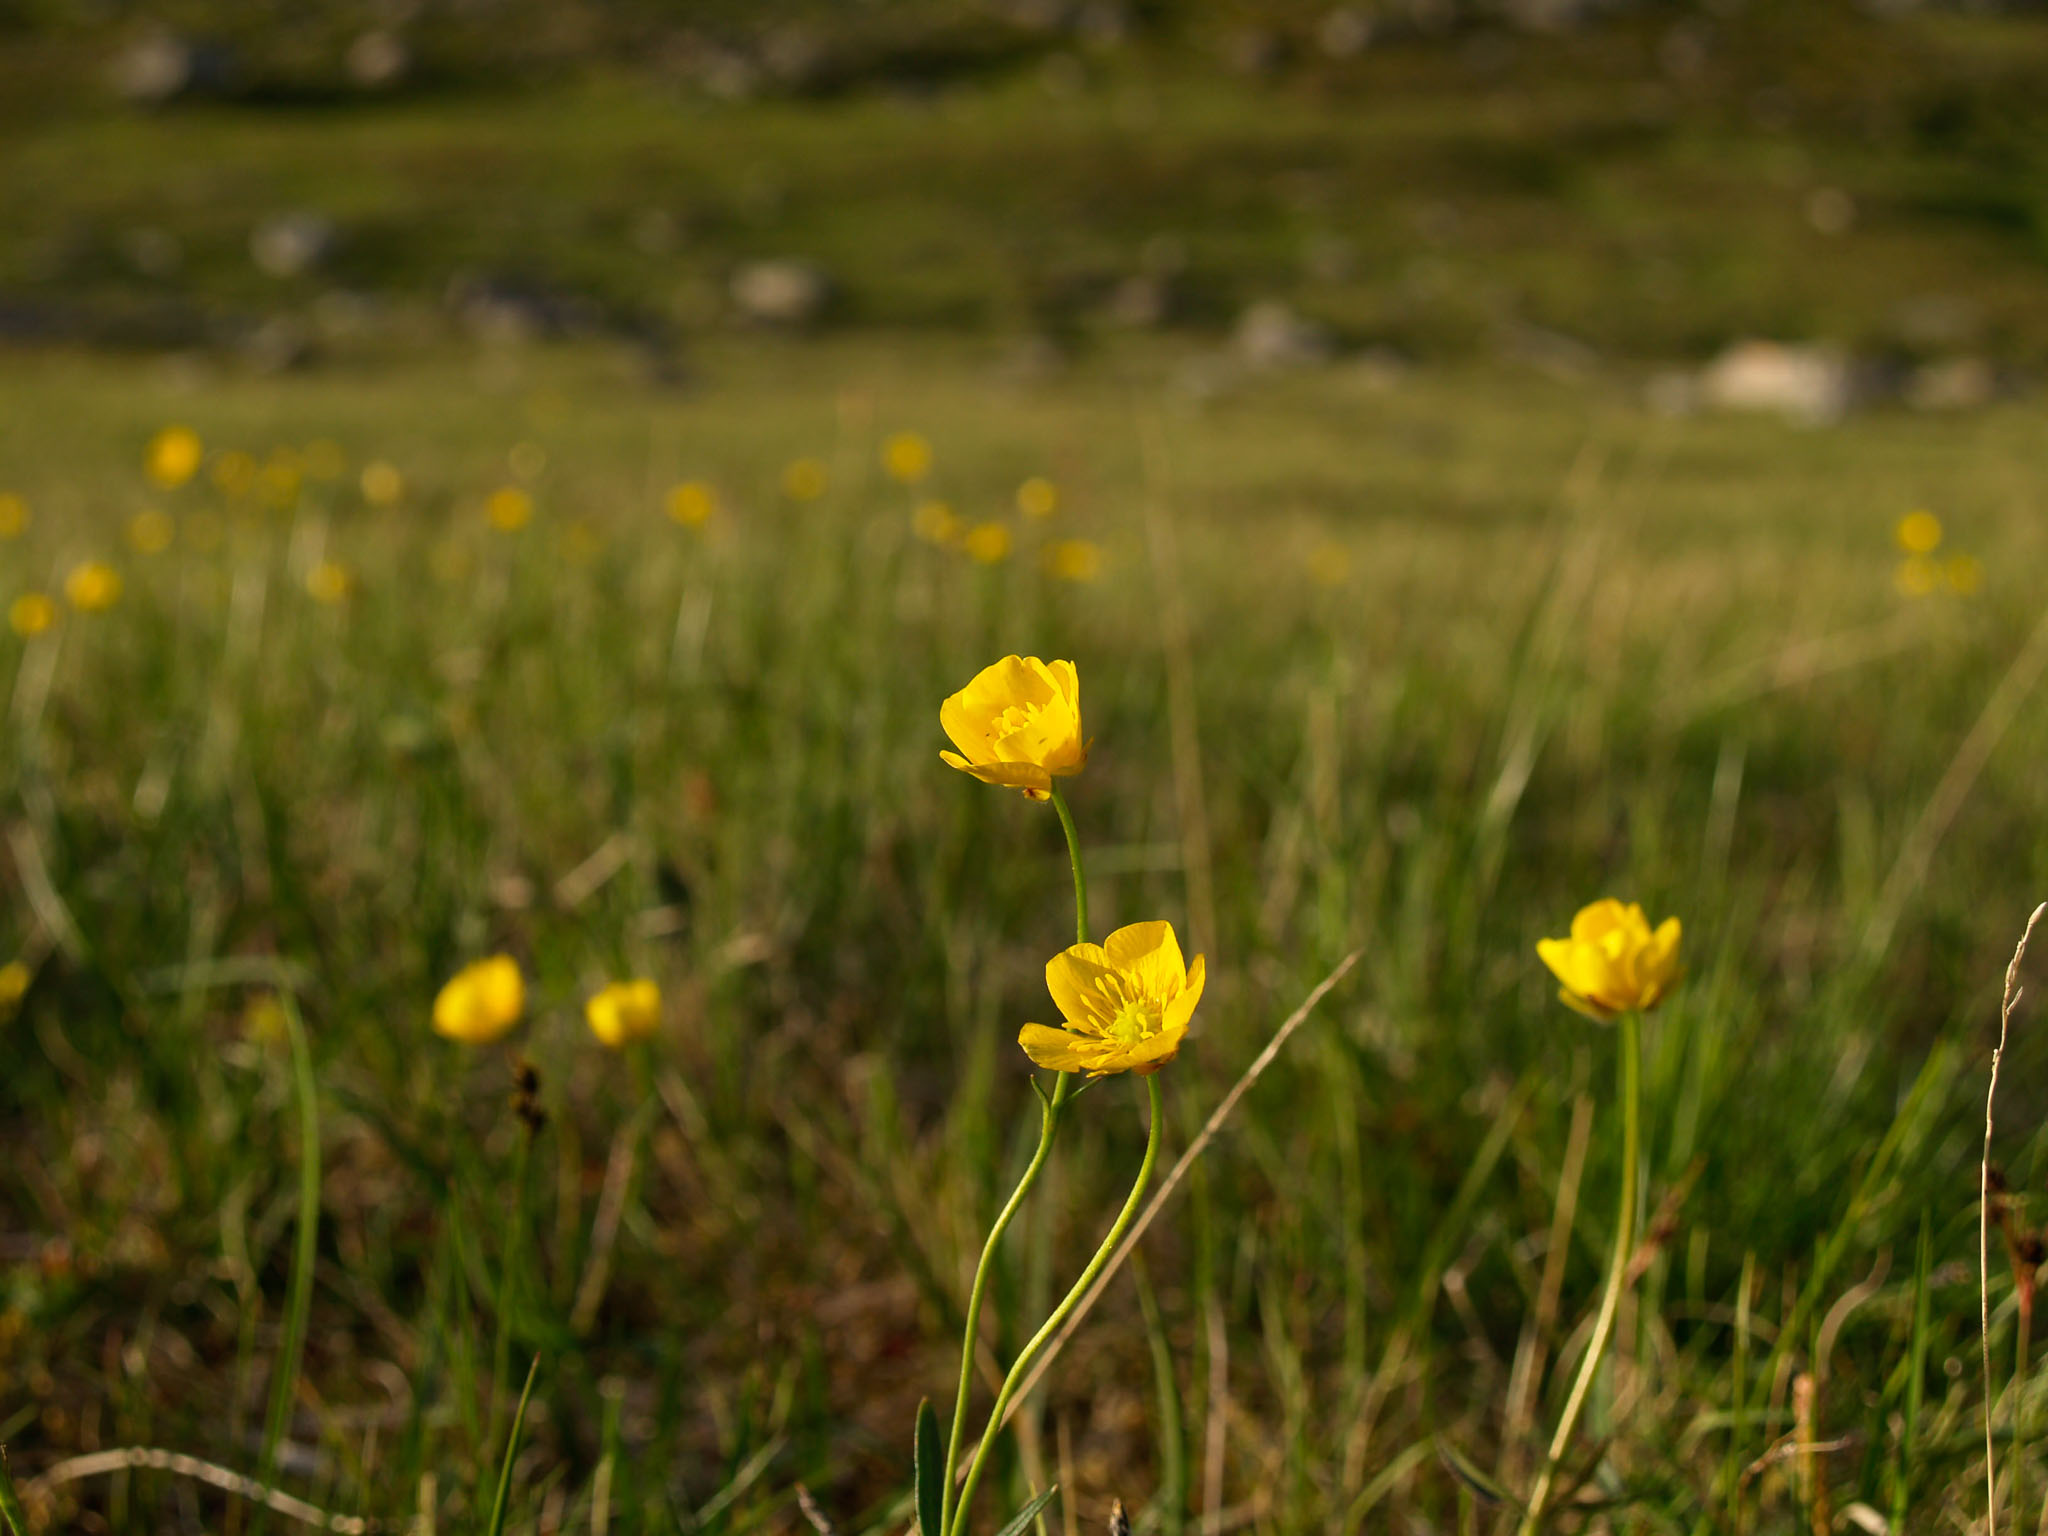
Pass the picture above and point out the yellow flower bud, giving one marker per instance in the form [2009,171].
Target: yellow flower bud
[481,1001]
[1613,963]
[624,1012]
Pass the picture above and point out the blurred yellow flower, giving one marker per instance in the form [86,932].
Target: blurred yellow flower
[1613,963]
[481,1002]
[936,523]
[173,457]
[804,480]
[624,1012]
[281,479]
[989,543]
[324,459]
[330,583]
[13,516]
[31,613]
[1018,723]
[263,1019]
[1965,574]
[150,531]
[1917,575]
[1038,497]
[509,509]
[382,484]
[1126,1002]
[692,503]
[14,980]
[93,587]
[1329,564]
[1074,560]
[1918,533]
[234,472]
[907,457]
[527,460]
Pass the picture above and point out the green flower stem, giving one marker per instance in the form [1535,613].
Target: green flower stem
[1059,803]
[508,1278]
[1630,1026]
[958,1523]
[1048,1127]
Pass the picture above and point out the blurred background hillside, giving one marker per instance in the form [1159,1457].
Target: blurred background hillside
[1575,182]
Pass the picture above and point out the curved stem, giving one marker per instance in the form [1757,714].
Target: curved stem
[1630,1026]
[1040,1339]
[1048,1127]
[1059,803]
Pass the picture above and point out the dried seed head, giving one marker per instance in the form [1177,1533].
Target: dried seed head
[2030,1250]
[1119,1522]
[1994,1179]
[526,1097]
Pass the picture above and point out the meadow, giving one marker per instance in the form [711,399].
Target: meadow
[479,582]
[1412,671]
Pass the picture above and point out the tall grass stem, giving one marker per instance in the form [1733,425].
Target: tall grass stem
[299,1301]
[1631,1030]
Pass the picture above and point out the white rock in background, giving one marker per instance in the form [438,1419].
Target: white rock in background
[1271,335]
[1803,383]
[378,61]
[782,291]
[291,244]
[1953,384]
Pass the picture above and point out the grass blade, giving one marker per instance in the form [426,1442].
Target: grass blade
[1029,1513]
[504,1498]
[305,1250]
[928,1470]
[10,1502]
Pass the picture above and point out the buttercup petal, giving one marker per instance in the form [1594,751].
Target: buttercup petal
[1150,953]
[1182,1008]
[1073,976]
[1063,1051]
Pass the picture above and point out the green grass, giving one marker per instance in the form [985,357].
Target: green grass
[1568,651]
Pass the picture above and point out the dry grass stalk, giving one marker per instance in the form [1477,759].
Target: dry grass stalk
[2007,1003]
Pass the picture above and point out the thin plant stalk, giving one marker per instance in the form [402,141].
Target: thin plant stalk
[1051,1326]
[1048,1128]
[1630,1028]
[508,1275]
[305,1250]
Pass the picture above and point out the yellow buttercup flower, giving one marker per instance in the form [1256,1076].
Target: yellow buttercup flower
[509,509]
[624,1012]
[481,1001]
[31,613]
[907,457]
[692,503]
[1018,724]
[804,480]
[14,980]
[93,587]
[1918,533]
[173,457]
[150,531]
[1038,497]
[13,516]
[1613,962]
[330,583]
[936,523]
[1917,575]
[1074,560]
[382,483]
[1126,1001]
[988,542]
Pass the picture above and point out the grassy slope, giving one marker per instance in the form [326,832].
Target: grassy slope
[1536,573]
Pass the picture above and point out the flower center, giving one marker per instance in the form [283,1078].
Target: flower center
[1136,1017]
[1018,717]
